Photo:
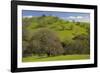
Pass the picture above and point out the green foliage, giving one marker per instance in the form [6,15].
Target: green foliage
[45,41]
[51,36]
[79,45]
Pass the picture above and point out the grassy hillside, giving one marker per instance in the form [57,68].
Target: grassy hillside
[63,28]
[72,37]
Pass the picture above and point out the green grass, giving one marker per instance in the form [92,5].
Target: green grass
[64,34]
[55,58]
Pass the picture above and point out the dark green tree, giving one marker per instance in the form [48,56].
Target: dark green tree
[45,41]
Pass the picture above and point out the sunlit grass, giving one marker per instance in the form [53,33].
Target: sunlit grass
[55,58]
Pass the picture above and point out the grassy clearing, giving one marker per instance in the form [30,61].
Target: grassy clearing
[55,58]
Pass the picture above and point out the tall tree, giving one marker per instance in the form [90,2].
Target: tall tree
[45,41]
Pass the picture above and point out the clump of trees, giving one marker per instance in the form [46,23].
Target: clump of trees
[79,45]
[45,42]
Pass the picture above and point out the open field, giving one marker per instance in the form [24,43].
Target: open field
[55,58]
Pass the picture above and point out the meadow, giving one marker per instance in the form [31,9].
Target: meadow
[55,58]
